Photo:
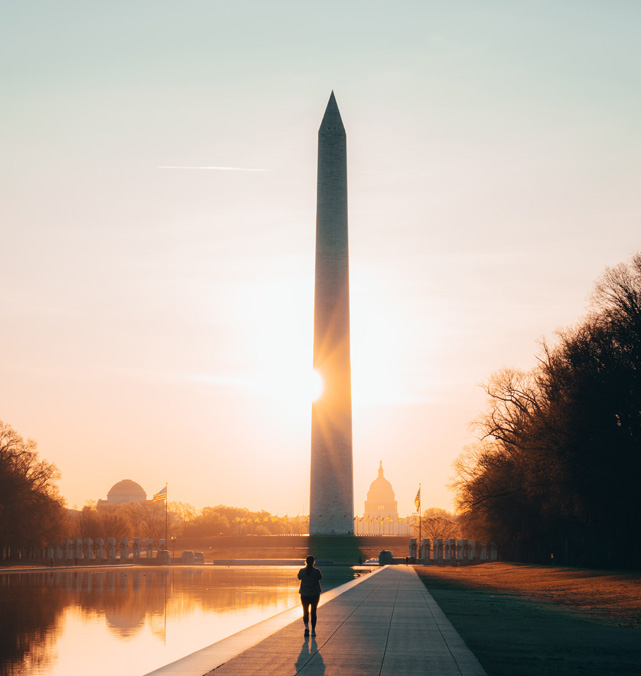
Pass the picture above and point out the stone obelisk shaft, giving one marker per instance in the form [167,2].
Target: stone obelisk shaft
[332,483]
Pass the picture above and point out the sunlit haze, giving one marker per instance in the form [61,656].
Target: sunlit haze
[315,385]
[158,220]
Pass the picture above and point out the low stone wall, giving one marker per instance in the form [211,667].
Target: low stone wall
[282,550]
[452,552]
[91,552]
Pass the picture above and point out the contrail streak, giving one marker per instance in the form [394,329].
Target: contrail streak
[210,168]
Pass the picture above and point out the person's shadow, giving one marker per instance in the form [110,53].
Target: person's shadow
[309,651]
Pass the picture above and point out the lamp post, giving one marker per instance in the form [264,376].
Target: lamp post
[173,546]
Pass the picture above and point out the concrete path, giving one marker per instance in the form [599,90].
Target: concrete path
[386,625]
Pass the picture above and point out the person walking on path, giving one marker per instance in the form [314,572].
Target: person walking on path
[310,591]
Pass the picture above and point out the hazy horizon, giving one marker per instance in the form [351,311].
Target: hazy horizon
[158,214]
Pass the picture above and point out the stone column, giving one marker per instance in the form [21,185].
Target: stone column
[150,549]
[425,550]
[111,550]
[69,550]
[438,550]
[136,549]
[78,550]
[450,550]
[124,550]
[100,550]
[412,548]
[471,550]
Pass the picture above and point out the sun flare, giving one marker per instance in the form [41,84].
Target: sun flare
[315,385]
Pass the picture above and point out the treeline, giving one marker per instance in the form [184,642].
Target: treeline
[31,510]
[33,515]
[133,519]
[556,471]
[222,520]
[127,520]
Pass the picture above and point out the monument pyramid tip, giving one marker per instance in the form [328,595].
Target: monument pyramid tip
[332,111]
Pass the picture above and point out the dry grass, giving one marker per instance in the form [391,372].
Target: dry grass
[614,596]
[542,621]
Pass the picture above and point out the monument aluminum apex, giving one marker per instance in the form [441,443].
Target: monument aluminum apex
[332,482]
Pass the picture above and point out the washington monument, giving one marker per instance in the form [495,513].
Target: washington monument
[332,482]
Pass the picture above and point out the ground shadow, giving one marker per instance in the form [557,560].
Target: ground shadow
[309,651]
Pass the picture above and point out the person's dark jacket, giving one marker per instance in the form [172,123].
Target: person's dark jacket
[309,581]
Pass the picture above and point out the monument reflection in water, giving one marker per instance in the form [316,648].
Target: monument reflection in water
[130,621]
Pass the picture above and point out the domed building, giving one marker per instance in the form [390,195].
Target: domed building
[125,491]
[381,510]
[381,501]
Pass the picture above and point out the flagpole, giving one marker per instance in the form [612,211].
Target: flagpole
[419,521]
[166,518]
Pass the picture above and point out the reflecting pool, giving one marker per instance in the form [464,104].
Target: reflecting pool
[132,620]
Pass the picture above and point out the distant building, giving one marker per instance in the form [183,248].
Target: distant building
[124,491]
[380,516]
[381,500]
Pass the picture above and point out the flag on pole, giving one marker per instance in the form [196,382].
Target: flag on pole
[159,496]
[417,500]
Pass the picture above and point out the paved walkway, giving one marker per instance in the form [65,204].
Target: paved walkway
[387,624]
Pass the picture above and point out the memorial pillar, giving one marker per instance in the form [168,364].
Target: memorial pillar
[124,550]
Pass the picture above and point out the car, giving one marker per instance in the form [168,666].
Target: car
[188,556]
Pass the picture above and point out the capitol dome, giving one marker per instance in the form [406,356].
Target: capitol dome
[126,491]
[381,500]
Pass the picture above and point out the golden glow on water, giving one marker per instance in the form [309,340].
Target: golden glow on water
[134,620]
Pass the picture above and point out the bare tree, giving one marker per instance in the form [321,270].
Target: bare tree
[436,523]
[546,474]
[31,510]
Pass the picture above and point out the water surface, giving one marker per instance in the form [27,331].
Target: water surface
[132,620]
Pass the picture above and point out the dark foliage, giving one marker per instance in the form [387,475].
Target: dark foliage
[556,471]
[31,512]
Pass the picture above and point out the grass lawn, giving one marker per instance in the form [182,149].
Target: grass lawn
[533,620]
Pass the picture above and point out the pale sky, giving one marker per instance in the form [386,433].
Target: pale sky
[157,216]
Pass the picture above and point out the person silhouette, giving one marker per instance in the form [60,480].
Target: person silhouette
[310,591]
